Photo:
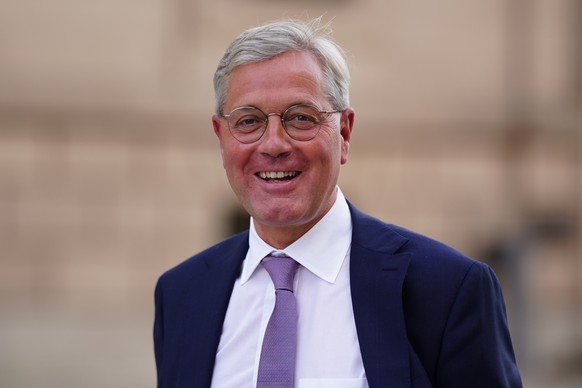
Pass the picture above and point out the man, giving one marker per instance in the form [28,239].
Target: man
[370,304]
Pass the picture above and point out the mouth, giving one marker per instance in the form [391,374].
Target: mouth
[277,176]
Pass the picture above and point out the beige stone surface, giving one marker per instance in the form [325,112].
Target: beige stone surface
[468,129]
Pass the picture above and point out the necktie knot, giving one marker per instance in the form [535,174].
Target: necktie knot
[281,270]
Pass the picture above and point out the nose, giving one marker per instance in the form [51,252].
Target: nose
[275,141]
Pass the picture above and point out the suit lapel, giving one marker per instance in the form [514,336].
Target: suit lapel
[377,273]
[213,289]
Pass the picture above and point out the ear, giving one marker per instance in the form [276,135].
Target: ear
[216,125]
[346,125]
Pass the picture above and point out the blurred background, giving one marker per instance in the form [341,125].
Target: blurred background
[468,129]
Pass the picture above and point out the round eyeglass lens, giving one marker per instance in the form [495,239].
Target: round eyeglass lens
[302,122]
[246,124]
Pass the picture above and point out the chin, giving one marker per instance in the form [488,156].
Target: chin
[279,217]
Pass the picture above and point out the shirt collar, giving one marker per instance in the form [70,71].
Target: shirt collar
[321,250]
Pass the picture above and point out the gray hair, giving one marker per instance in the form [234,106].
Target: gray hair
[267,41]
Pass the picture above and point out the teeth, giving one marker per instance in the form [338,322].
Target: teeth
[277,174]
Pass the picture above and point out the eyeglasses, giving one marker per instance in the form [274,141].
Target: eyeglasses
[247,124]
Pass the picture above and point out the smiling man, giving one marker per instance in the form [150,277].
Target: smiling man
[286,178]
[316,293]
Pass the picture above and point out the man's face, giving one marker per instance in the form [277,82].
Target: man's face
[283,209]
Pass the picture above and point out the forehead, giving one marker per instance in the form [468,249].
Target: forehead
[289,78]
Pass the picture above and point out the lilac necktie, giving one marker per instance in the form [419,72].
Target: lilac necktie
[277,364]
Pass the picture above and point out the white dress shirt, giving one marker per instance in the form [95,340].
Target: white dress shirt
[328,352]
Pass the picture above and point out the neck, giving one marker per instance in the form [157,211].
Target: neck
[281,237]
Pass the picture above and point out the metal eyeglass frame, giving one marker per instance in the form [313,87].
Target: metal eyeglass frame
[261,130]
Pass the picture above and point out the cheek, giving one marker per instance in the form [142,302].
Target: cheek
[229,163]
[234,160]
[337,148]
[330,156]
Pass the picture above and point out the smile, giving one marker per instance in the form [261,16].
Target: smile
[277,175]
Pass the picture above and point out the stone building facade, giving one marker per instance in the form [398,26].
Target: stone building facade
[468,129]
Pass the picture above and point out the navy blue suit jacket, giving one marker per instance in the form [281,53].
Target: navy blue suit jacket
[426,316]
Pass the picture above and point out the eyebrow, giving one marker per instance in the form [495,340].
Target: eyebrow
[281,111]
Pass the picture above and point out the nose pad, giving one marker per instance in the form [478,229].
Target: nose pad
[279,126]
[275,141]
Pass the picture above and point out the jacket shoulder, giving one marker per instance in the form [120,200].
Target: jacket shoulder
[231,249]
[431,254]
[427,254]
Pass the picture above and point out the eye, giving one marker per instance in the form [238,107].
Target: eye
[302,118]
[247,122]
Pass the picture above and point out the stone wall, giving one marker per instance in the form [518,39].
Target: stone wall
[468,129]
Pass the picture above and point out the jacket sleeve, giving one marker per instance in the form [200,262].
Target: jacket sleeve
[476,348]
